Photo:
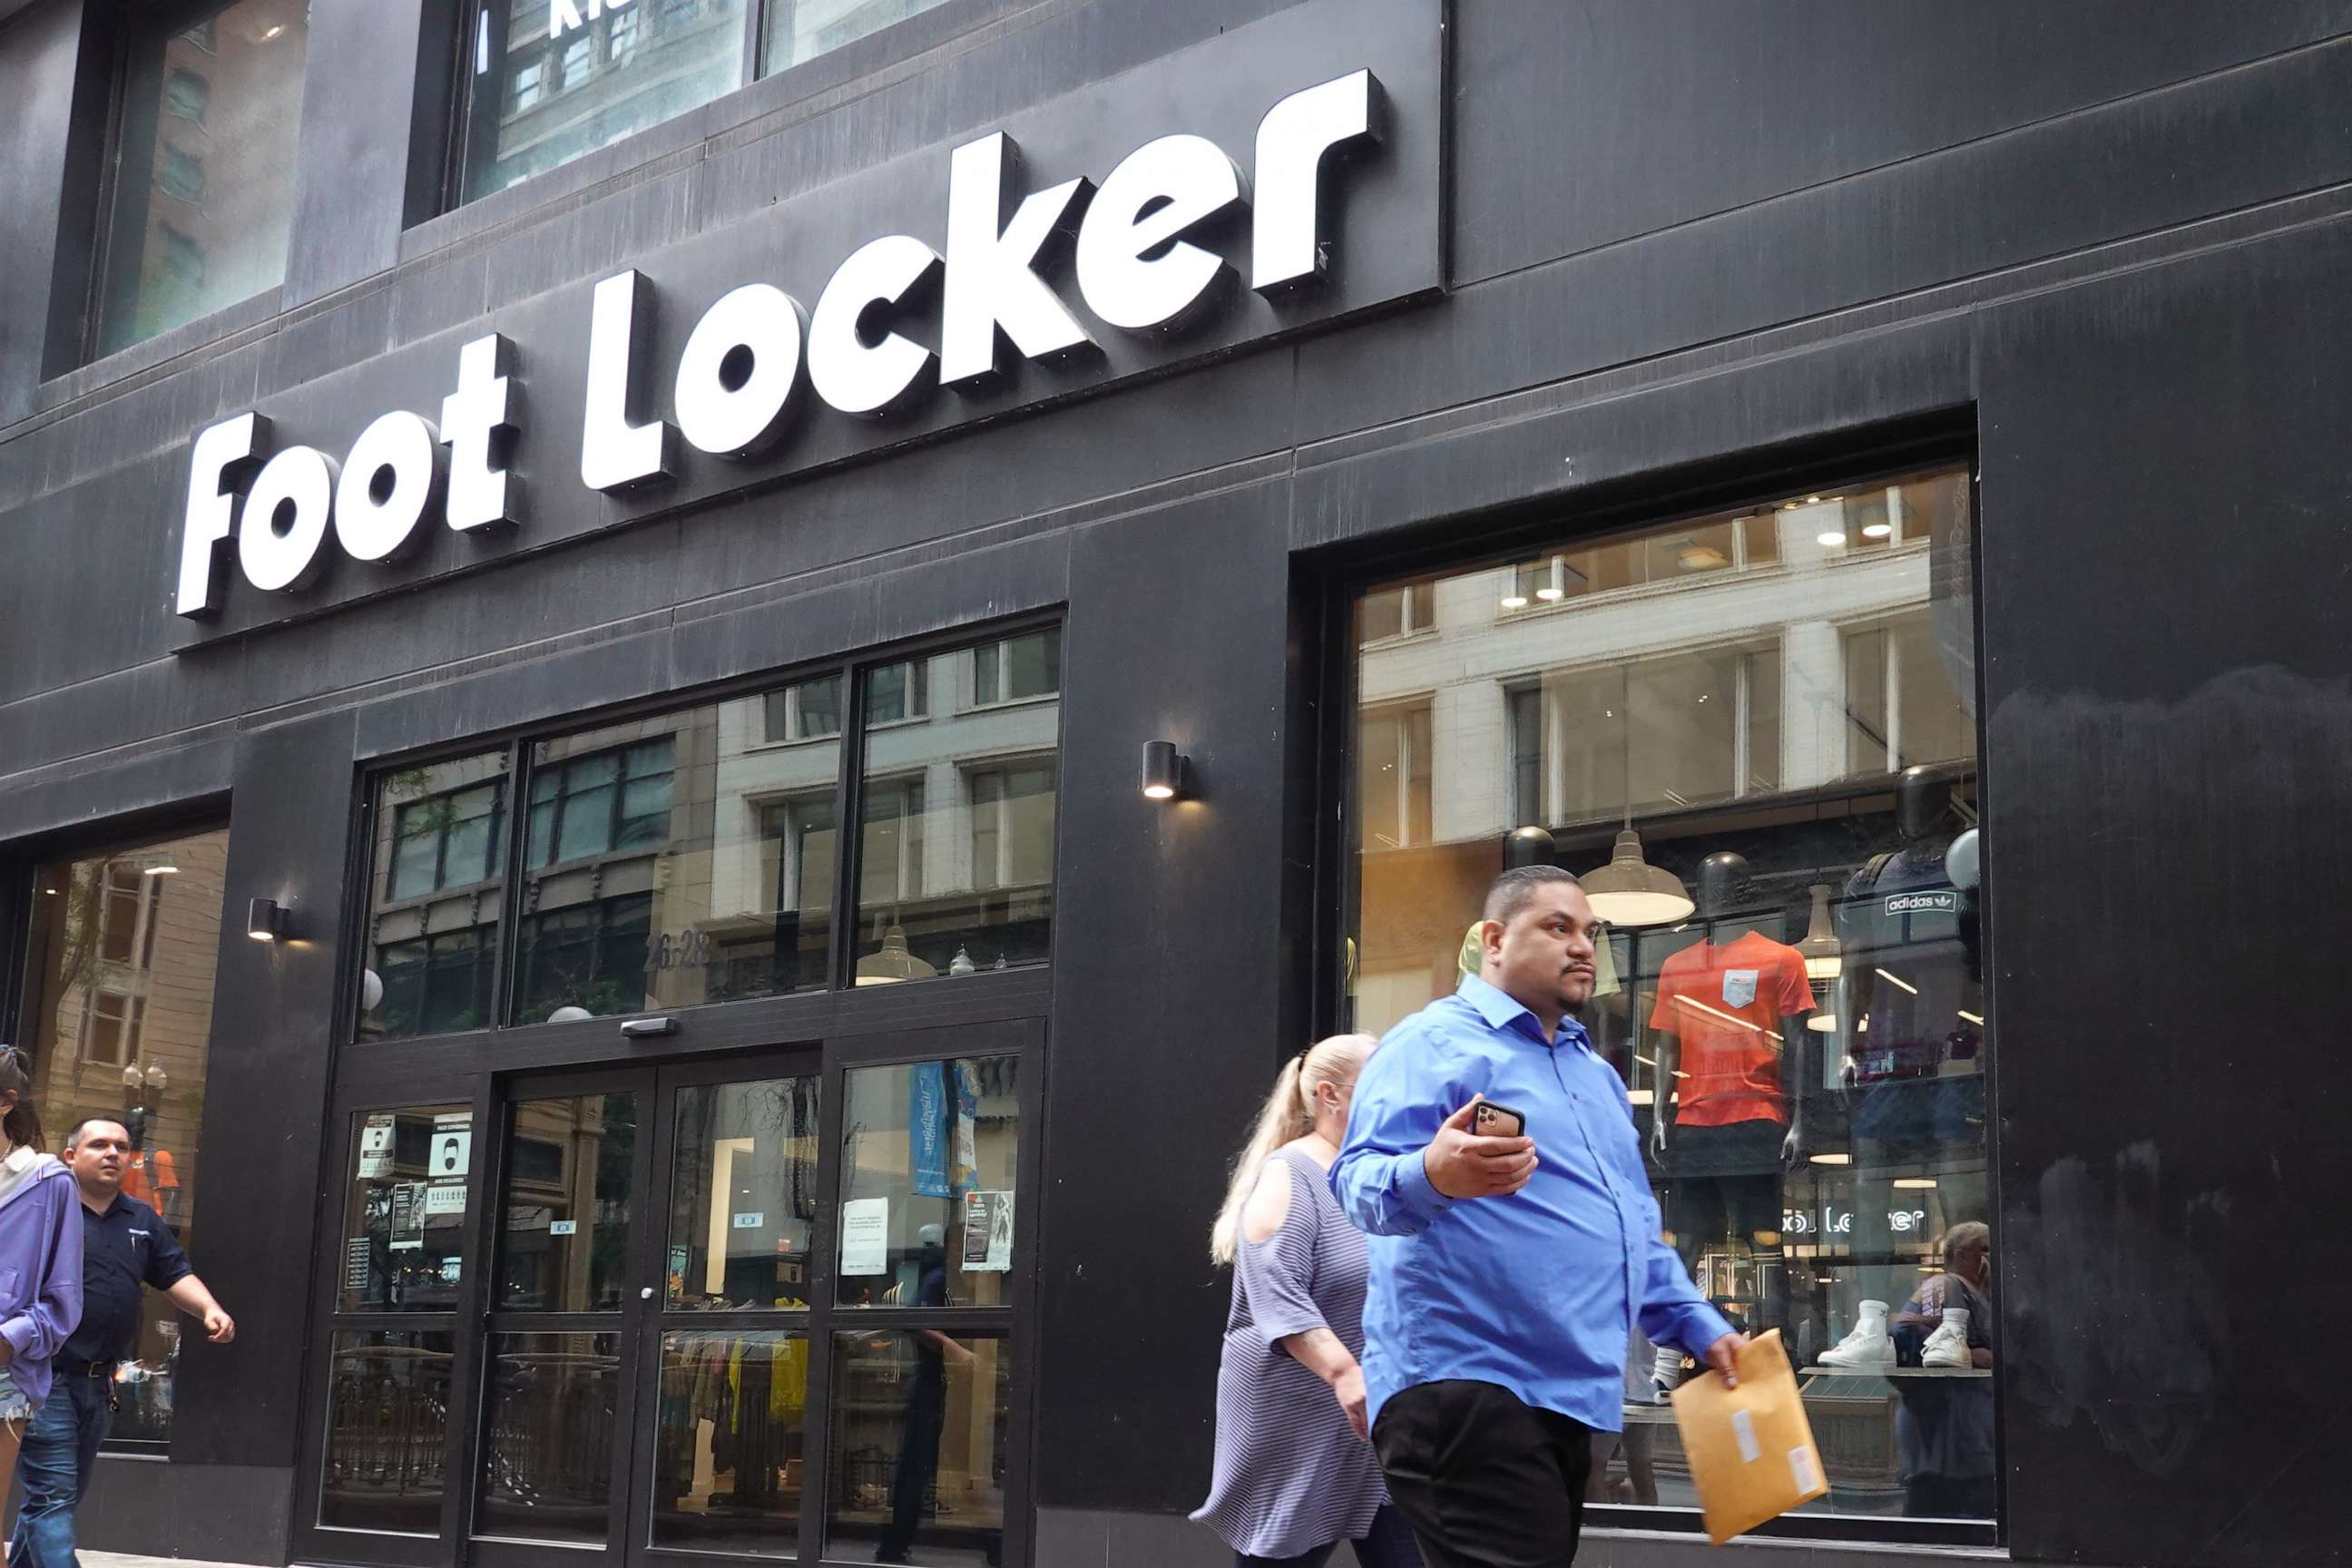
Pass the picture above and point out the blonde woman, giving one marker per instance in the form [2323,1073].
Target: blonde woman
[1295,1474]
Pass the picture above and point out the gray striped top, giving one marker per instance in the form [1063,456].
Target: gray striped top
[1290,1475]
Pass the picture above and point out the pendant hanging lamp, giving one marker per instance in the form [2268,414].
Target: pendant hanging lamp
[1629,890]
[1823,958]
[893,964]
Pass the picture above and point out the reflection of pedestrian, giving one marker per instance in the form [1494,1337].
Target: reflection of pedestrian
[1635,1442]
[927,1406]
[1944,1427]
[1295,1475]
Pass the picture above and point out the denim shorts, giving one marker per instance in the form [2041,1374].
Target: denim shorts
[13,1406]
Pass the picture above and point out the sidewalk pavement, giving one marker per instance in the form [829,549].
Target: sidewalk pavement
[126,1560]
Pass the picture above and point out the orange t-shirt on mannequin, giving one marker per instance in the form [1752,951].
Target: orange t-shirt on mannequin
[1724,1005]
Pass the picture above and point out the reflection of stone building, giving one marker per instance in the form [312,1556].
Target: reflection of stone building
[1688,671]
[617,836]
[126,950]
[212,216]
[122,952]
[436,897]
[956,841]
[569,89]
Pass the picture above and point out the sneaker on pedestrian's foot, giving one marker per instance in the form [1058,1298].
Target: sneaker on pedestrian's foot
[1948,1345]
[1868,1347]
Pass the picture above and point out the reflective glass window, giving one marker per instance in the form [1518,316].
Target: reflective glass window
[566,1202]
[435,897]
[800,30]
[956,842]
[387,1449]
[681,859]
[550,1409]
[122,951]
[203,175]
[930,1154]
[404,1233]
[552,82]
[920,1434]
[1781,702]
[729,1469]
[743,1195]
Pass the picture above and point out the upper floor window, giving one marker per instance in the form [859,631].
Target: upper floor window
[1397,612]
[603,802]
[551,80]
[691,856]
[202,166]
[451,837]
[1017,669]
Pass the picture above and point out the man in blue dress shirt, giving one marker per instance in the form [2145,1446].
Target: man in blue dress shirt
[1506,1273]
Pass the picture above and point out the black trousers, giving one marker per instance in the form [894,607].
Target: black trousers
[1484,1481]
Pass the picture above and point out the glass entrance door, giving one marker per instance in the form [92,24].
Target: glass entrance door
[566,1314]
[645,1365]
[726,1368]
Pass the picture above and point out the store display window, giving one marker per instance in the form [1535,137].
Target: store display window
[203,197]
[1753,734]
[117,1025]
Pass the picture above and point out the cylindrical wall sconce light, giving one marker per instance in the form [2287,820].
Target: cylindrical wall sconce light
[1163,770]
[265,919]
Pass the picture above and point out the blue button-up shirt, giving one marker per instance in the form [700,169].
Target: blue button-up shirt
[1537,1291]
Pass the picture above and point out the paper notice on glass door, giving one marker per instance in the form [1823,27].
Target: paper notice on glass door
[864,1236]
[987,1232]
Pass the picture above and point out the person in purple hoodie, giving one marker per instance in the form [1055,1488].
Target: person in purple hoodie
[40,1258]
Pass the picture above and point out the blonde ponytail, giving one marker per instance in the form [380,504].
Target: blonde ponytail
[1288,1115]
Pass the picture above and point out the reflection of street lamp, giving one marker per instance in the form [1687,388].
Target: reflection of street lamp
[149,1077]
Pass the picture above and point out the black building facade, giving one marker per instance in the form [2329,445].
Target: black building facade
[489,494]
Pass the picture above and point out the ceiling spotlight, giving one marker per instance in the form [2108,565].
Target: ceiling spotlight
[1916,1184]
[1831,539]
[1812,500]
[1515,601]
[1833,1160]
[165,867]
[1877,529]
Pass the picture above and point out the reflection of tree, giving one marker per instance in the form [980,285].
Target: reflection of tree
[78,945]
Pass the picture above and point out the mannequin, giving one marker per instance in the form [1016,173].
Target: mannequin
[1742,979]
[1902,908]
[1911,1039]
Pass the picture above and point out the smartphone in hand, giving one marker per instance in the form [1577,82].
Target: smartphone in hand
[1493,1120]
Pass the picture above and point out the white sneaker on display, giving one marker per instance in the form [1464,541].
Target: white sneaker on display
[1948,1345]
[1667,1373]
[1868,1347]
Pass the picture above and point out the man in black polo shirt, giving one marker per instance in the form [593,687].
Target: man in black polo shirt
[124,1246]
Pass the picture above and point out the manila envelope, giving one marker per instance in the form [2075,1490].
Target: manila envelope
[1750,1448]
